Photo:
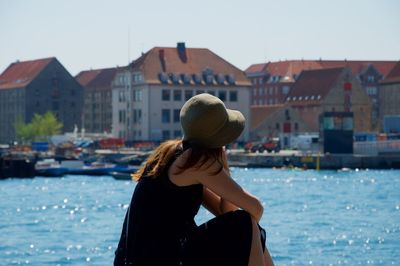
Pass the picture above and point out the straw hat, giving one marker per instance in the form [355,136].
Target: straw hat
[206,121]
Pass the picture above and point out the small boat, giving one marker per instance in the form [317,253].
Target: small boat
[96,168]
[49,168]
[121,175]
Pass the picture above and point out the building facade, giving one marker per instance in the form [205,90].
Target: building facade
[272,81]
[149,93]
[389,97]
[97,110]
[38,86]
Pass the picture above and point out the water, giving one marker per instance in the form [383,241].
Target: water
[311,218]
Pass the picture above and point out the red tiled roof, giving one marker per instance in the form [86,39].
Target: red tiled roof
[20,74]
[97,78]
[356,67]
[394,75]
[256,68]
[86,76]
[286,69]
[313,84]
[195,61]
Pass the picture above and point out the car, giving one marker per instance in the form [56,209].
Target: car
[259,146]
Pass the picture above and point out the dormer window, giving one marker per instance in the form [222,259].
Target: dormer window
[294,98]
[300,98]
[319,97]
[306,98]
[312,97]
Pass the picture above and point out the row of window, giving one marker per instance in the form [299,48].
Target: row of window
[168,134]
[166,116]
[137,95]
[269,101]
[270,90]
[179,95]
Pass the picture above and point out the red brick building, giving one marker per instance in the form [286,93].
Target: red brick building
[97,110]
[272,81]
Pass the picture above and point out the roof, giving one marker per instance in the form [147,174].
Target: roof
[189,61]
[20,74]
[313,85]
[256,68]
[357,66]
[97,78]
[260,113]
[288,68]
[394,75]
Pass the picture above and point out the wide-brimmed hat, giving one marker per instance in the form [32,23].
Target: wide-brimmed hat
[206,121]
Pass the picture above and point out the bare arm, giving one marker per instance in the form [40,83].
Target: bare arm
[223,186]
[215,204]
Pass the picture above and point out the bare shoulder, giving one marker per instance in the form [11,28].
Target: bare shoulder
[179,177]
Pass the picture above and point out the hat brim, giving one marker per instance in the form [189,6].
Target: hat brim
[231,130]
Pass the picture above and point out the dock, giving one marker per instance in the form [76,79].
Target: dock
[316,161]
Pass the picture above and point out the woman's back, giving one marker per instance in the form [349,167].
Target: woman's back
[161,214]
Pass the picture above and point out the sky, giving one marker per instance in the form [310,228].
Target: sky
[88,34]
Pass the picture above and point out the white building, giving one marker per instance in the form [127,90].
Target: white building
[149,93]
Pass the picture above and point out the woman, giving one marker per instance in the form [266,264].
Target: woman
[181,175]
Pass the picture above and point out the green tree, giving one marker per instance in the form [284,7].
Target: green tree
[40,128]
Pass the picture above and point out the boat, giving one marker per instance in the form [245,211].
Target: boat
[121,175]
[95,168]
[49,168]
[100,168]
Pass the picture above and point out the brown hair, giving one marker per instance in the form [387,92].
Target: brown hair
[166,153]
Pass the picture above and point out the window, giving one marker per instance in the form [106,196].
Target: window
[285,89]
[199,92]
[371,90]
[371,78]
[177,115]
[211,92]
[166,95]
[277,126]
[233,96]
[177,95]
[222,95]
[188,94]
[166,134]
[137,95]
[165,116]
[137,116]
[121,116]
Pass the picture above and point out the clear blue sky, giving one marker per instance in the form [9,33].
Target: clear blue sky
[86,34]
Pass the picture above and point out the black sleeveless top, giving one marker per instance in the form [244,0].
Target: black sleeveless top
[160,216]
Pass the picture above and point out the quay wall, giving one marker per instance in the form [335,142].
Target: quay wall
[315,161]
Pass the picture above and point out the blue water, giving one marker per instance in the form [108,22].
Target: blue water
[311,218]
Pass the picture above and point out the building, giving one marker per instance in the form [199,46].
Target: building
[38,86]
[272,81]
[277,121]
[330,90]
[389,96]
[97,110]
[149,93]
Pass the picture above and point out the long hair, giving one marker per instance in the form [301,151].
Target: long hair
[166,153]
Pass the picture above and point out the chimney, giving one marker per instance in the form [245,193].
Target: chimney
[182,51]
